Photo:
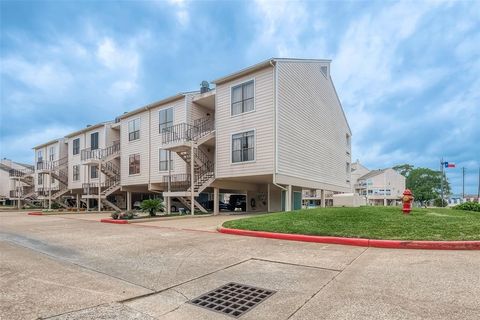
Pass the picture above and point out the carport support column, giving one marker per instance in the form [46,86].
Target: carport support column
[268,197]
[288,198]
[169,205]
[78,202]
[216,200]
[322,195]
[129,200]
[192,178]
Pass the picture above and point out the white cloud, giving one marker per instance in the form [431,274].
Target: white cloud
[181,11]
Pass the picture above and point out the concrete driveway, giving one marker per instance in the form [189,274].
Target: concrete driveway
[67,267]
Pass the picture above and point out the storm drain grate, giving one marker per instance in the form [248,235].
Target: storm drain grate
[232,299]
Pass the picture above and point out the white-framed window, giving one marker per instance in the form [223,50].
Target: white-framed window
[76,146]
[93,172]
[40,179]
[163,160]
[51,153]
[76,173]
[94,141]
[134,129]
[39,156]
[243,98]
[134,164]
[243,146]
[165,119]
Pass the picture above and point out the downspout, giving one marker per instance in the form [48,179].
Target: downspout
[275,103]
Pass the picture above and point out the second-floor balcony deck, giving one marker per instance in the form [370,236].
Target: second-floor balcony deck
[183,133]
[104,154]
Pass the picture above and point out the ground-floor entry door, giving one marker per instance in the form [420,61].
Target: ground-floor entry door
[297,200]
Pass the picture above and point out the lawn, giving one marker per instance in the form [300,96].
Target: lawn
[369,222]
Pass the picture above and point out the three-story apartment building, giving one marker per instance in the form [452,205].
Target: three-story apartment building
[51,171]
[94,166]
[266,132]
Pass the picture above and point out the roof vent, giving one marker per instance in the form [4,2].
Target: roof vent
[204,86]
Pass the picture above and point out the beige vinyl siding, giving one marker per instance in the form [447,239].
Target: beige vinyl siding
[139,146]
[61,150]
[179,116]
[261,120]
[74,160]
[311,126]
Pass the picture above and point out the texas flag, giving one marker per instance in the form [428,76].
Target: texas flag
[449,165]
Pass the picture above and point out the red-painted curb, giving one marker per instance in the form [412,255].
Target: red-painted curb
[392,244]
[35,214]
[114,221]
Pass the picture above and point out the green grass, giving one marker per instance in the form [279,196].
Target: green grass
[369,222]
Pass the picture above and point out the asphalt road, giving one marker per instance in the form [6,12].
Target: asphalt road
[73,267]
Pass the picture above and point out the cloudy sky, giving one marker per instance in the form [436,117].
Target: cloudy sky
[407,73]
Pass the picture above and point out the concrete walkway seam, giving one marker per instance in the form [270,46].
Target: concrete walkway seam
[362,242]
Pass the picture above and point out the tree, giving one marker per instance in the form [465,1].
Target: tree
[403,169]
[426,184]
[152,206]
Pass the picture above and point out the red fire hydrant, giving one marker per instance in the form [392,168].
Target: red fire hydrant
[407,200]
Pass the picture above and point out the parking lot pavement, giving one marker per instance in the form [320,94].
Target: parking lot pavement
[154,271]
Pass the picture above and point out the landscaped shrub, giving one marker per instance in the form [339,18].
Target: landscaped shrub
[469,206]
[438,203]
[152,206]
[115,215]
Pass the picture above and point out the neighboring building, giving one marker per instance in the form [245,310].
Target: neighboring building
[51,172]
[265,132]
[94,166]
[381,187]
[16,183]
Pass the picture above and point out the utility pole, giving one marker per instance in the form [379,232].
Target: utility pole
[441,179]
[463,183]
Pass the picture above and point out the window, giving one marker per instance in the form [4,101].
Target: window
[94,172]
[76,173]
[134,164]
[94,141]
[51,153]
[134,129]
[163,160]
[243,98]
[39,156]
[243,147]
[165,119]
[40,179]
[76,146]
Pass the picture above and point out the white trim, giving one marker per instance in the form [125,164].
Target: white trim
[90,139]
[139,129]
[254,148]
[139,167]
[173,116]
[158,164]
[238,83]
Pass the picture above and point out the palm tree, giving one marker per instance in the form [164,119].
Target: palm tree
[152,206]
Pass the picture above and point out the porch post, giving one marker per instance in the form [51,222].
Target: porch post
[322,193]
[129,200]
[50,191]
[99,173]
[169,204]
[78,201]
[192,178]
[288,200]
[216,200]
[268,197]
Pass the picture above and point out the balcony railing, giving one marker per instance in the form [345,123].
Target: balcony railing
[92,187]
[178,182]
[52,165]
[100,154]
[44,191]
[184,132]
[20,172]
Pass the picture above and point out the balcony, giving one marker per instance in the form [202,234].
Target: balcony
[183,133]
[51,165]
[19,173]
[101,154]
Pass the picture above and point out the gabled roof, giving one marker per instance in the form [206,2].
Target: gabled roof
[157,103]
[372,174]
[98,125]
[48,143]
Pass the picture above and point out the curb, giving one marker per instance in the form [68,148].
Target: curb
[35,214]
[114,221]
[362,242]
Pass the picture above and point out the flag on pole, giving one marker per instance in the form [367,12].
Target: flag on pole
[449,164]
